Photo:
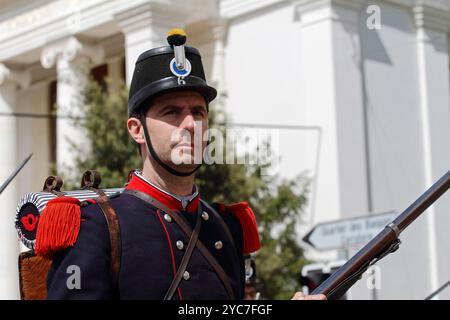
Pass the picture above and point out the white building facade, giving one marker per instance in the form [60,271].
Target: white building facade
[358,90]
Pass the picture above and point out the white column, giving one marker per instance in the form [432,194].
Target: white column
[330,51]
[433,64]
[217,77]
[145,27]
[73,60]
[209,37]
[214,36]
[115,73]
[9,241]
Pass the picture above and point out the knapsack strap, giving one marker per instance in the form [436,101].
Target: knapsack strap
[114,235]
[91,181]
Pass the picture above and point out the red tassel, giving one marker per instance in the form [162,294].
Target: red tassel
[247,219]
[58,227]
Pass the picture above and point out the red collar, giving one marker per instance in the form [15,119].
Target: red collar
[136,183]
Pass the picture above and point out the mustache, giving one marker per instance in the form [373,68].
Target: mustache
[185,137]
[184,143]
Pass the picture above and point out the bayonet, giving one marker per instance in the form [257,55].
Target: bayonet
[14,174]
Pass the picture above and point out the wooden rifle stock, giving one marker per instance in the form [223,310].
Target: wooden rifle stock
[382,244]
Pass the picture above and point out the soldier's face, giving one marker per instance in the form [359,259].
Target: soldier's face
[177,123]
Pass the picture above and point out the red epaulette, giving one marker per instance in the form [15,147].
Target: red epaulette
[246,217]
[58,227]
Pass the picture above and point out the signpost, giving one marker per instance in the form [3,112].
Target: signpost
[345,233]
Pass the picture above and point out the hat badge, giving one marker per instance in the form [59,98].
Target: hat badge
[179,65]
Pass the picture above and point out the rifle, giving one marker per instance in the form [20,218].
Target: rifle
[14,173]
[381,245]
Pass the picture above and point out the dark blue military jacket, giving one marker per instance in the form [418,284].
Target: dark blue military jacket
[150,254]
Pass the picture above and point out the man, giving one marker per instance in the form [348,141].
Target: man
[172,244]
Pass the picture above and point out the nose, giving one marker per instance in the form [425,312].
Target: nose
[188,123]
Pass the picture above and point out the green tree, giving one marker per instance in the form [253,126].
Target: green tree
[112,152]
[277,204]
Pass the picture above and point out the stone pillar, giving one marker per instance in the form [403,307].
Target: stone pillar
[433,65]
[210,37]
[145,27]
[72,59]
[115,73]
[330,50]
[10,82]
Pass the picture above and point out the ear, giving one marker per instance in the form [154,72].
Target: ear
[136,130]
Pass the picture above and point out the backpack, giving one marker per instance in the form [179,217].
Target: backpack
[40,229]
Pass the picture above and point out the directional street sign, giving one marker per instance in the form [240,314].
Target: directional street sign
[347,232]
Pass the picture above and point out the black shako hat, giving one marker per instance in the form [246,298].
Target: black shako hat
[167,69]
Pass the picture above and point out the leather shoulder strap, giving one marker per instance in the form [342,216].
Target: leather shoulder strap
[114,234]
[186,257]
[184,225]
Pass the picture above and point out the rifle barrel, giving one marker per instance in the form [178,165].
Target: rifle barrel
[423,202]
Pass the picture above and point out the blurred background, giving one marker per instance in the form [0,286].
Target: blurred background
[357,91]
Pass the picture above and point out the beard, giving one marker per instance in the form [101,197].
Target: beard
[183,153]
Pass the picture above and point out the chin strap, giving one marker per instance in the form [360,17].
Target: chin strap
[157,159]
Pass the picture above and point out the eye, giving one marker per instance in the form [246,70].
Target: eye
[171,112]
[199,113]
